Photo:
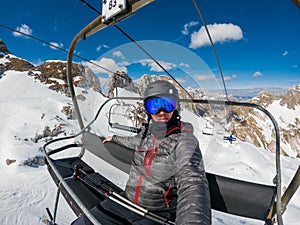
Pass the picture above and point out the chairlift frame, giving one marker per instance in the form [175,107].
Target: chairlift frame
[61,181]
[207,130]
[132,129]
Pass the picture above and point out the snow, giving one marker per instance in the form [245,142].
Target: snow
[3,60]
[59,81]
[28,106]
[52,60]
[25,194]
[283,115]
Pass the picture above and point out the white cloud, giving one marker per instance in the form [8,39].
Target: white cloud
[154,67]
[124,63]
[257,74]
[205,77]
[24,29]
[181,80]
[55,45]
[184,65]
[98,49]
[219,33]
[118,54]
[187,26]
[295,66]
[38,62]
[229,78]
[285,53]
[107,64]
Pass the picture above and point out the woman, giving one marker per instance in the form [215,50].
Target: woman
[167,174]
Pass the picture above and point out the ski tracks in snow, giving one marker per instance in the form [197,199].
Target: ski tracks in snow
[26,192]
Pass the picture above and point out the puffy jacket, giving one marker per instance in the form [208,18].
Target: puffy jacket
[167,173]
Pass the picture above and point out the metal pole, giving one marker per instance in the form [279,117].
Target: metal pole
[290,191]
[56,203]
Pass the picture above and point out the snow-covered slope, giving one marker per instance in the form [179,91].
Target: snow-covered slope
[26,109]
[29,106]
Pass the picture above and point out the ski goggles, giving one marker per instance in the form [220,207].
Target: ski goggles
[154,105]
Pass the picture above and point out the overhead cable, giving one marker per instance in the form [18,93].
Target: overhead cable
[54,46]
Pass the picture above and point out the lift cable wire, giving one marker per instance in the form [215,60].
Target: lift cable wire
[91,7]
[140,47]
[278,170]
[233,131]
[54,46]
[213,46]
[150,56]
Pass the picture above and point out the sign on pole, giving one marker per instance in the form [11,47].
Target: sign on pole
[111,8]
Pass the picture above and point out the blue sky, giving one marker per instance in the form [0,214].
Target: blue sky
[257,41]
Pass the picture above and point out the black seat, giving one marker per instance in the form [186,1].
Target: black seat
[228,195]
[241,198]
[66,167]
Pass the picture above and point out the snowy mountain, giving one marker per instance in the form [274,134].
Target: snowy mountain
[251,125]
[26,113]
[36,107]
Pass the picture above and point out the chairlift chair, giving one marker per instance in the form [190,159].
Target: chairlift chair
[123,112]
[208,129]
[228,195]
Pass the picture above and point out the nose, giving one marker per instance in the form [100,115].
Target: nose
[161,112]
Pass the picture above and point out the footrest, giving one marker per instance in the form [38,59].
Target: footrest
[85,190]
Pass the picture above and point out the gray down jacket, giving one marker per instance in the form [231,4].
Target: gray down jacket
[167,173]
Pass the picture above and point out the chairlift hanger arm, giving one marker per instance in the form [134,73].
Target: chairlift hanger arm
[297,3]
[134,5]
[96,25]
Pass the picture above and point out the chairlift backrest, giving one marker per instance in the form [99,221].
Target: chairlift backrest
[122,111]
[207,131]
[115,155]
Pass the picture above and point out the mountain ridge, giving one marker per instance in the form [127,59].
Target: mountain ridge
[53,74]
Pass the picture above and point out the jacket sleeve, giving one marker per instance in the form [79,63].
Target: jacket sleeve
[132,142]
[193,204]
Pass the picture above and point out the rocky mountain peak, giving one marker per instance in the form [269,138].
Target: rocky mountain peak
[3,48]
[11,62]
[292,98]
[121,80]
[255,125]
[54,73]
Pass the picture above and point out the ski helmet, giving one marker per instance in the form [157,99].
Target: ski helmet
[160,88]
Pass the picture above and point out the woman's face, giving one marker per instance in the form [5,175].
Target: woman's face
[162,116]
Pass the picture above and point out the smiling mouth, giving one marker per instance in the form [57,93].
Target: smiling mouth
[162,119]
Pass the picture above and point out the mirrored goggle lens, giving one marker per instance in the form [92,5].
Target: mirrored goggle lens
[153,105]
